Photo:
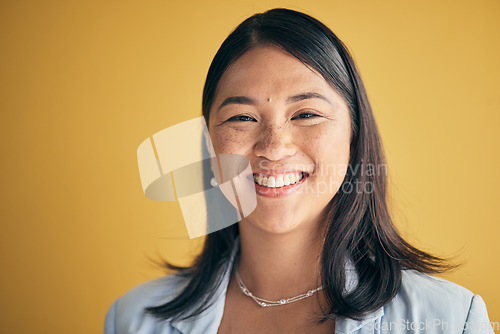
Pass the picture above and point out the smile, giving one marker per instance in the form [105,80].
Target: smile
[278,181]
[278,185]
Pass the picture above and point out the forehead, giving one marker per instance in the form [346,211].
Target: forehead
[270,70]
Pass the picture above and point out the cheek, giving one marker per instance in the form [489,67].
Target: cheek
[228,142]
[329,148]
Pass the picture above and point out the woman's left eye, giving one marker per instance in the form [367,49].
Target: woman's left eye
[305,115]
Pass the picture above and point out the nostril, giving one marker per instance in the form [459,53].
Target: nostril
[275,149]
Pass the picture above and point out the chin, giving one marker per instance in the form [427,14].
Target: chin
[277,223]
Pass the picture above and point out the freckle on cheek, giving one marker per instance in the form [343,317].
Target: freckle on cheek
[227,142]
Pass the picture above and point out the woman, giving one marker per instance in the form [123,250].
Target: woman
[320,253]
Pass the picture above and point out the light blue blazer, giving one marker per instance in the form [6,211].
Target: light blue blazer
[424,304]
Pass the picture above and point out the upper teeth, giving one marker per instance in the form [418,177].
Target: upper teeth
[276,181]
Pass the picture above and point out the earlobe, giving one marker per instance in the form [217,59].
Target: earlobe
[214,182]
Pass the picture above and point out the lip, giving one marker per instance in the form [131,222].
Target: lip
[280,191]
[278,171]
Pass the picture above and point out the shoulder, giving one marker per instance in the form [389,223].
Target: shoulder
[434,290]
[126,314]
[435,304]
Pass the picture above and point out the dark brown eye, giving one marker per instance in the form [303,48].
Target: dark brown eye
[305,115]
[241,118]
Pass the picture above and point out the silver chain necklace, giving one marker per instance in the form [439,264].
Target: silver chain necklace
[266,303]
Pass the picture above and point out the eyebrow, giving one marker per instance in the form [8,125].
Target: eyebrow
[292,99]
[237,100]
[306,96]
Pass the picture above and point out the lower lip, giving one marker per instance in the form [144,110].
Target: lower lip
[280,191]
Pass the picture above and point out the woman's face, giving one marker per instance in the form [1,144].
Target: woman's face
[294,129]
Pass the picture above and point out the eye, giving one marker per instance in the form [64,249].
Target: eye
[241,118]
[305,115]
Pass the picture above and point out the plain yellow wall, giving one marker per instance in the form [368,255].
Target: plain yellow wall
[84,82]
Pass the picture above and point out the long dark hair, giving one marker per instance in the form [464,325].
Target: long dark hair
[358,226]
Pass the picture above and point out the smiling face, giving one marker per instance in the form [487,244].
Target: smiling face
[292,126]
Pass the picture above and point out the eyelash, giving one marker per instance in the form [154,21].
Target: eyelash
[239,118]
[244,118]
[310,115]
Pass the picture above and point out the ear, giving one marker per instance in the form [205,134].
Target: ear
[207,140]
[208,146]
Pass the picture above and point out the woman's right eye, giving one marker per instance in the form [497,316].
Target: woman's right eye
[241,118]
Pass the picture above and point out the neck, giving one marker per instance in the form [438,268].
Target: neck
[275,266]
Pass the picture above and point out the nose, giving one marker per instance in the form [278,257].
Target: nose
[274,143]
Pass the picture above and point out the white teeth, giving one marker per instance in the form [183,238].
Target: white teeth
[277,181]
[270,182]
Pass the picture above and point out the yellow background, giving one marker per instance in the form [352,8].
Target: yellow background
[84,82]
